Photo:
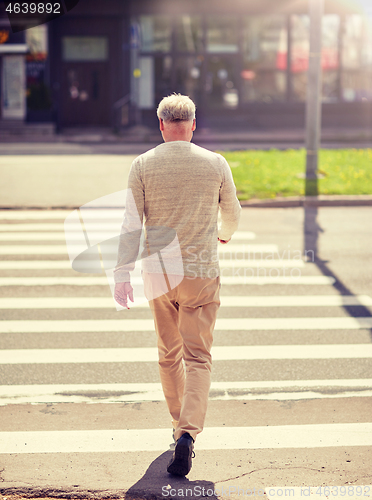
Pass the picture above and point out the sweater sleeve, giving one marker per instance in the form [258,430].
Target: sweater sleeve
[229,205]
[131,228]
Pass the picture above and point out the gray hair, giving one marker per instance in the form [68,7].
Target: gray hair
[176,108]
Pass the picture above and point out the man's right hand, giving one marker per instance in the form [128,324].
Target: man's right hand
[123,291]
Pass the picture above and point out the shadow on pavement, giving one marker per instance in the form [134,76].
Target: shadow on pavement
[311,237]
[158,484]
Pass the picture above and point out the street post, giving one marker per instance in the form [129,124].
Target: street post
[314,97]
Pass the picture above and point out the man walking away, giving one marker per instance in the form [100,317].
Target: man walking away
[181,186]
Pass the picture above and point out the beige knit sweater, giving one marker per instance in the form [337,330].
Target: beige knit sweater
[179,191]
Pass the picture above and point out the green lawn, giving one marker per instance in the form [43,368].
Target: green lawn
[267,174]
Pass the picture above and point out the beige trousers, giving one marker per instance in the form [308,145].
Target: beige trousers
[184,321]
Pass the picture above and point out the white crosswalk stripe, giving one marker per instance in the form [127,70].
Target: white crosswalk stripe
[45,323]
[236,251]
[147,325]
[113,393]
[225,280]
[32,215]
[213,438]
[226,301]
[219,353]
[239,264]
[102,231]
[45,228]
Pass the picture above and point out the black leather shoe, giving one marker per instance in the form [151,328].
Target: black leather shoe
[180,464]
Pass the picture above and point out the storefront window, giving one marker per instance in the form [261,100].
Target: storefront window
[357,59]
[146,83]
[156,33]
[189,33]
[245,59]
[300,56]
[163,77]
[84,48]
[300,29]
[222,34]
[13,85]
[188,73]
[264,59]
[221,82]
[38,93]
[330,57]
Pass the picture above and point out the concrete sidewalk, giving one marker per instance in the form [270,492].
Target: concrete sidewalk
[142,474]
[81,164]
[52,180]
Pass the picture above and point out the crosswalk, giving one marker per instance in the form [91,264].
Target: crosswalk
[298,330]
[214,438]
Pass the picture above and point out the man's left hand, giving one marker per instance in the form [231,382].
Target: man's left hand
[122,292]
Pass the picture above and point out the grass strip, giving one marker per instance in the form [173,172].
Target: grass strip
[268,174]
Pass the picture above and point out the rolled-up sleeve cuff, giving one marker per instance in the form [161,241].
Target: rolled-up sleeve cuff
[121,276]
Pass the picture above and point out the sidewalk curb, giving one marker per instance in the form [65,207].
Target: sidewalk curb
[67,493]
[310,201]
[149,135]
[290,202]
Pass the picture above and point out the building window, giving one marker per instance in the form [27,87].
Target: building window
[146,83]
[300,32]
[84,48]
[265,48]
[221,82]
[331,58]
[13,85]
[227,61]
[162,77]
[188,73]
[38,93]
[300,29]
[357,59]
[222,34]
[156,33]
[189,34]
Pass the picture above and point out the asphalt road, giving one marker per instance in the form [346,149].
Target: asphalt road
[291,394]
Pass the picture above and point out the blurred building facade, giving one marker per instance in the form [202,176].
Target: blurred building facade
[244,62]
[13,49]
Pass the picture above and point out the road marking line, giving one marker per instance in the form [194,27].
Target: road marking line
[294,301]
[224,264]
[147,325]
[212,438]
[55,226]
[35,249]
[112,393]
[225,280]
[243,235]
[150,354]
[238,250]
[53,236]
[52,232]
[249,263]
[58,280]
[226,301]
[94,213]
[158,396]
[278,280]
[59,227]
[35,264]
